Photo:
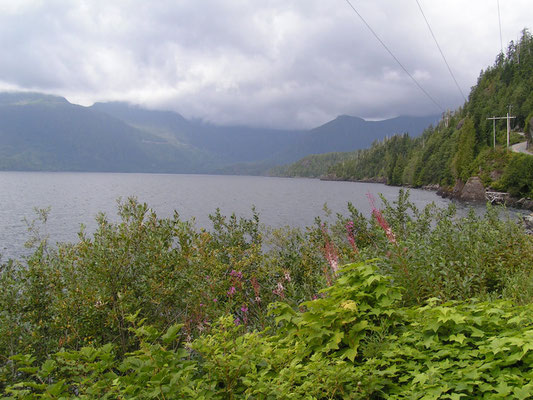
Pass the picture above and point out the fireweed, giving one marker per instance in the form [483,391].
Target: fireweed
[350,235]
[376,213]
[332,256]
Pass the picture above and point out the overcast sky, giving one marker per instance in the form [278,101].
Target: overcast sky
[278,63]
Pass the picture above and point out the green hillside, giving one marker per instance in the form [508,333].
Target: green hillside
[41,132]
[347,133]
[312,166]
[460,145]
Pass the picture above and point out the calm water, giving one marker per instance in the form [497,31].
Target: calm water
[76,198]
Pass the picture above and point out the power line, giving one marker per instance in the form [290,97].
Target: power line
[500,23]
[440,50]
[395,58]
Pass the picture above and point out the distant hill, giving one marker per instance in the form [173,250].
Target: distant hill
[311,166]
[346,133]
[226,144]
[44,132]
[41,132]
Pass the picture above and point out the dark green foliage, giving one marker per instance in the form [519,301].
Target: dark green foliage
[87,318]
[385,161]
[518,176]
[464,156]
[354,343]
[490,164]
[528,129]
[313,166]
[458,146]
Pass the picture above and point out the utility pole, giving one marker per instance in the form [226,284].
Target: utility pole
[509,125]
[508,117]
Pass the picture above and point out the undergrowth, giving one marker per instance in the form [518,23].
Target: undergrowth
[152,307]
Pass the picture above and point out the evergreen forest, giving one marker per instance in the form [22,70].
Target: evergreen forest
[460,146]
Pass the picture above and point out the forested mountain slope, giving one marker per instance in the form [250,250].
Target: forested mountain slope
[346,133]
[39,132]
[461,145]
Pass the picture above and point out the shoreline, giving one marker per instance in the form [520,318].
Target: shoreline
[473,191]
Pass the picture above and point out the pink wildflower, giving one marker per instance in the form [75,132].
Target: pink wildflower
[280,290]
[351,237]
[244,310]
[287,276]
[231,291]
[331,255]
[236,274]
[381,220]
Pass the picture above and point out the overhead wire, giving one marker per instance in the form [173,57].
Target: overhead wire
[395,58]
[440,50]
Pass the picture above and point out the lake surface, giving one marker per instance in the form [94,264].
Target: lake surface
[76,198]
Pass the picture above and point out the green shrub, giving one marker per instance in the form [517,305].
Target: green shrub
[517,178]
[354,342]
[167,272]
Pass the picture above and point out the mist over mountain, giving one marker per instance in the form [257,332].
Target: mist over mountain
[41,132]
[225,144]
[44,132]
[346,133]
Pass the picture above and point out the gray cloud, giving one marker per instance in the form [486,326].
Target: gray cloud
[271,63]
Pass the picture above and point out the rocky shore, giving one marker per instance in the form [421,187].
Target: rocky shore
[474,191]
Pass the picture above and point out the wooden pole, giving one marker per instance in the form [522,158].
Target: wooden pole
[508,118]
[494,132]
[508,129]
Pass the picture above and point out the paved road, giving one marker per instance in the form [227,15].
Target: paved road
[521,148]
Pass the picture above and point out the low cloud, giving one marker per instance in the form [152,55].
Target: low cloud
[275,63]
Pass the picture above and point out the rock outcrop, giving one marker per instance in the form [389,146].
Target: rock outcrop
[473,190]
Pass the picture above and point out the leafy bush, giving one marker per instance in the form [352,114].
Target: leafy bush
[71,305]
[353,343]
[436,253]
[517,178]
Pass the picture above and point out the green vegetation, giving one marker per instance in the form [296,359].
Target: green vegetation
[461,142]
[429,304]
[313,166]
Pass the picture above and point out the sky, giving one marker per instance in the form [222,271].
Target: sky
[272,63]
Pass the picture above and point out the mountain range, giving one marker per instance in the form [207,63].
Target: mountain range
[45,132]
